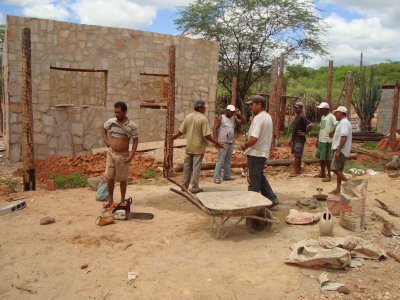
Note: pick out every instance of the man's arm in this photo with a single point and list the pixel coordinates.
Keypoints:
(105, 137)
(176, 135)
(212, 140)
(251, 142)
(217, 124)
(240, 119)
(135, 142)
(343, 140)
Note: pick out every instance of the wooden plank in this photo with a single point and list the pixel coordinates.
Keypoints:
(349, 91)
(270, 162)
(279, 100)
(395, 116)
(143, 147)
(27, 141)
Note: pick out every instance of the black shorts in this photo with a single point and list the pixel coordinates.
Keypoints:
(298, 149)
(338, 163)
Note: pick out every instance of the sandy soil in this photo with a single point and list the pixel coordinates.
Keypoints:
(175, 254)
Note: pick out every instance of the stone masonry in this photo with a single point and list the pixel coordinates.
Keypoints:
(385, 109)
(80, 71)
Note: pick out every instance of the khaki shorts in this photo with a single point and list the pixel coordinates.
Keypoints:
(116, 168)
(338, 163)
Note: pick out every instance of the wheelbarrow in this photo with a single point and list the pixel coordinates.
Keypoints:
(222, 206)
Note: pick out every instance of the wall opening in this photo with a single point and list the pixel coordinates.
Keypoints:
(154, 91)
(78, 87)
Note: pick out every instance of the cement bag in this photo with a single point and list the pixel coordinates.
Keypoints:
(352, 204)
(102, 191)
(309, 253)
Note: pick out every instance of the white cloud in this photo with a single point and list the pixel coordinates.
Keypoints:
(2, 19)
(387, 11)
(47, 9)
(347, 39)
(118, 13)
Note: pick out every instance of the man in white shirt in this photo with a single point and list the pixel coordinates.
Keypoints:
(341, 145)
(324, 146)
(257, 149)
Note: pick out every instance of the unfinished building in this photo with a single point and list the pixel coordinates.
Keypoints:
(385, 109)
(80, 71)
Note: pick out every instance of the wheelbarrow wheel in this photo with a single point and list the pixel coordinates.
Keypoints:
(255, 226)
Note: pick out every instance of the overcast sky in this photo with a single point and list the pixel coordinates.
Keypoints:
(369, 26)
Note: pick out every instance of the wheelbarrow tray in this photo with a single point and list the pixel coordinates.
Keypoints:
(234, 203)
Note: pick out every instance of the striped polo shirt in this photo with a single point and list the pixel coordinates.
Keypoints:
(126, 130)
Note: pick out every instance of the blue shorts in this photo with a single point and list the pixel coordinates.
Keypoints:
(298, 149)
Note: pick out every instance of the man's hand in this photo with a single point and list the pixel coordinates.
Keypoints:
(220, 146)
(316, 143)
(301, 133)
(107, 143)
(337, 154)
(243, 147)
(331, 134)
(238, 112)
(127, 159)
(290, 143)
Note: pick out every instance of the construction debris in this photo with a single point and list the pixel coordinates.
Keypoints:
(302, 217)
(47, 220)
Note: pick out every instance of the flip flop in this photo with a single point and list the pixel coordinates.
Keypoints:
(107, 204)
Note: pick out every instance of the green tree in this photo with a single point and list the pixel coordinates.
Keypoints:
(251, 33)
(367, 95)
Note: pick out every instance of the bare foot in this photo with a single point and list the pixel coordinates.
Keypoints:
(107, 204)
(335, 192)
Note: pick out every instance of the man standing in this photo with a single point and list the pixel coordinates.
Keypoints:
(324, 143)
(197, 130)
(257, 149)
(301, 126)
(224, 132)
(122, 130)
(341, 146)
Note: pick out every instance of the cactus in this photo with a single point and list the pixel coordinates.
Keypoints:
(367, 95)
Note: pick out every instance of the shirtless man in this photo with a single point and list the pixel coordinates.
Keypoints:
(122, 130)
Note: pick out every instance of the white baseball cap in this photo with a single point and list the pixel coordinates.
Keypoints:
(231, 107)
(342, 109)
(323, 105)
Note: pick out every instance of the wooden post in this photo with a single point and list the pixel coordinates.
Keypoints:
(234, 91)
(27, 144)
(329, 84)
(170, 122)
(282, 110)
(395, 116)
(273, 86)
(278, 100)
(349, 92)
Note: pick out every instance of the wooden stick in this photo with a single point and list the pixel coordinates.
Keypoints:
(279, 100)
(395, 116)
(329, 84)
(170, 120)
(349, 92)
(27, 143)
(234, 91)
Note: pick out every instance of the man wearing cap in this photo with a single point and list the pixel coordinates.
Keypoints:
(324, 143)
(257, 149)
(301, 126)
(197, 130)
(341, 146)
(224, 132)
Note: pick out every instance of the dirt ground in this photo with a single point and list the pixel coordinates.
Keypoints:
(175, 254)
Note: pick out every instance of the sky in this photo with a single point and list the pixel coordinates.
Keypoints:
(354, 26)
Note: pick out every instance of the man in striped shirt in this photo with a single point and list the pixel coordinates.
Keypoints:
(117, 133)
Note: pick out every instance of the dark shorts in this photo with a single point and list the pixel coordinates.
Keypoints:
(298, 149)
(338, 164)
(324, 151)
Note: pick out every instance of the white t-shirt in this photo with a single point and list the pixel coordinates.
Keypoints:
(261, 127)
(328, 123)
(343, 128)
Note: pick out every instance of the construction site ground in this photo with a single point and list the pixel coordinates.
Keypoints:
(175, 255)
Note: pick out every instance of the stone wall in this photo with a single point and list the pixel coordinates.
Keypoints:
(385, 112)
(71, 101)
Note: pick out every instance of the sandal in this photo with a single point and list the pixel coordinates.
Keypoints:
(107, 204)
